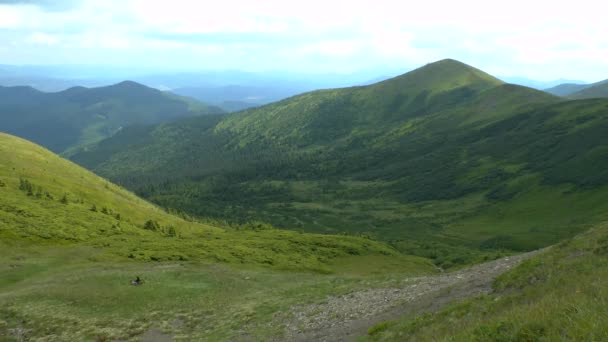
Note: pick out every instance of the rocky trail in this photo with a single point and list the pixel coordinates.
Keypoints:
(346, 317)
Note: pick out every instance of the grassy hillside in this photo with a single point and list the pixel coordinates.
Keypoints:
(71, 242)
(445, 162)
(50, 201)
(596, 91)
(557, 296)
(76, 117)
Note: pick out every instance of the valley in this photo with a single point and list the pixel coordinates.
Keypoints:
(442, 204)
(445, 162)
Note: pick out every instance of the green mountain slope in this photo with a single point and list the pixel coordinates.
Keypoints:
(47, 200)
(569, 89)
(445, 162)
(80, 116)
(556, 296)
(596, 91)
(71, 242)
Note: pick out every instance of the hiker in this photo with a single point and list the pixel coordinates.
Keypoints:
(137, 281)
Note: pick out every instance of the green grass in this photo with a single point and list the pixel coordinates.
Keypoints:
(59, 294)
(65, 268)
(556, 296)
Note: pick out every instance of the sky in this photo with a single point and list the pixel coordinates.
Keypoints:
(542, 40)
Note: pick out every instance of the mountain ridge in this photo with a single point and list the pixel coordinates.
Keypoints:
(598, 90)
(71, 119)
(569, 89)
(311, 162)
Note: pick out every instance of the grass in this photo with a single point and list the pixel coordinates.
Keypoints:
(64, 293)
(67, 260)
(556, 296)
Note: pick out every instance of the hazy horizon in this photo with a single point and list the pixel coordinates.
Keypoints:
(542, 41)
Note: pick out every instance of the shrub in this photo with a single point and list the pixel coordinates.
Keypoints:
(152, 225)
(171, 232)
(25, 185)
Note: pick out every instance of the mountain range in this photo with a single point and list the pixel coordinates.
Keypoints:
(442, 157)
(410, 180)
(74, 118)
(580, 91)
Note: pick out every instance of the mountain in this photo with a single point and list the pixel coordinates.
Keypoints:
(539, 84)
(570, 89)
(566, 89)
(596, 91)
(445, 161)
(80, 116)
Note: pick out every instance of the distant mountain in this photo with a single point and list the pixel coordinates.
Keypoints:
(569, 89)
(598, 90)
(231, 90)
(527, 82)
(438, 158)
(80, 116)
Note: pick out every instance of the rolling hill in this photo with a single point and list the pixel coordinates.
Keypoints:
(49, 200)
(596, 91)
(71, 242)
(71, 119)
(445, 162)
(570, 89)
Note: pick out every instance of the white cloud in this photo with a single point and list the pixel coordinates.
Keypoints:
(10, 17)
(544, 39)
(43, 38)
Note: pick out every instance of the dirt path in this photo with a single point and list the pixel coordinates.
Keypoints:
(347, 317)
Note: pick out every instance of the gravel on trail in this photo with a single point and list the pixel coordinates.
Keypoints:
(346, 317)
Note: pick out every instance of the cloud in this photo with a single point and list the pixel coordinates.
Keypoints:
(49, 5)
(43, 38)
(539, 39)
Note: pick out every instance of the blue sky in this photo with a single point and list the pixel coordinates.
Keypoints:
(543, 40)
